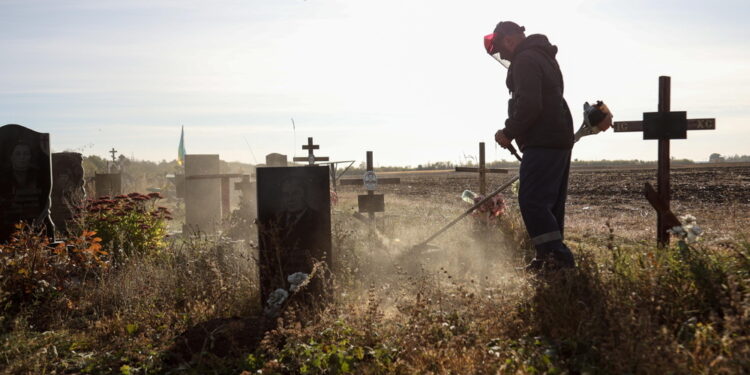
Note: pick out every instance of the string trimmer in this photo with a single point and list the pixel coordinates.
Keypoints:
(596, 118)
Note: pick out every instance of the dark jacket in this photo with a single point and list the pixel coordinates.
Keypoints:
(538, 115)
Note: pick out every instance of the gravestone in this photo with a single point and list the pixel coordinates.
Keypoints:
(225, 188)
(276, 160)
(68, 190)
(202, 196)
(179, 185)
(25, 180)
(108, 184)
(294, 223)
(243, 218)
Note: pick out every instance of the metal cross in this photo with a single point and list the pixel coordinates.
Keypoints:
(482, 170)
(371, 202)
(663, 126)
(311, 158)
(113, 152)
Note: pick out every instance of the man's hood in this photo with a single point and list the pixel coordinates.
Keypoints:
(538, 42)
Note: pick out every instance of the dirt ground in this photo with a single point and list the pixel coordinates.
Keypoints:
(718, 196)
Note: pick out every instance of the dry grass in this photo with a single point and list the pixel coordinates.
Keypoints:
(461, 309)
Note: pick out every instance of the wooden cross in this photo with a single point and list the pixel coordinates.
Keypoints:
(663, 126)
(311, 158)
(371, 202)
(482, 170)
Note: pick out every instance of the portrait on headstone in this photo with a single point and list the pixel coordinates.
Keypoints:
(26, 179)
(294, 222)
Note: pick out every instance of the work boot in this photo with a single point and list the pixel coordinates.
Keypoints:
(559, 259)
(535, 266)
(563, 258)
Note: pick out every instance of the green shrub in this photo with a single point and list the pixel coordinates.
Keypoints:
(128, 224)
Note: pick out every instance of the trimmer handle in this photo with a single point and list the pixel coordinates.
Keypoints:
(514, 152)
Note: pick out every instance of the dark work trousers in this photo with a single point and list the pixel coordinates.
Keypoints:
(541, 198)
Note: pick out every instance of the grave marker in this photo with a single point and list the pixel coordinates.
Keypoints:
(25, 180)
(371, 202)
(202, 195)
(481, 170)
(68, 190)
(108, 184)
(663, 126)
(247, 188)
(276, 160)
(114, 160)
(294, 223)
(311, 158)
(202, 177)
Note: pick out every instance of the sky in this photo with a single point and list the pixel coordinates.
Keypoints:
(406, 79)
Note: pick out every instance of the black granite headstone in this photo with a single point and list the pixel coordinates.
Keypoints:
(25, 180)
(68, 191)
(294, 222)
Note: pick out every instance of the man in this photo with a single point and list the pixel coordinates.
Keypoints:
(541, 124)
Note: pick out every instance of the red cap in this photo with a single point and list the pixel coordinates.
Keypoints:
(489, 43)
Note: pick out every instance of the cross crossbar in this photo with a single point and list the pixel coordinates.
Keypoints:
(381, 181)
(482, 170)
(637, 126)
(486, 170)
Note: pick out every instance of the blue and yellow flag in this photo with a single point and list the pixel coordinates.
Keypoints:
(181, 148)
